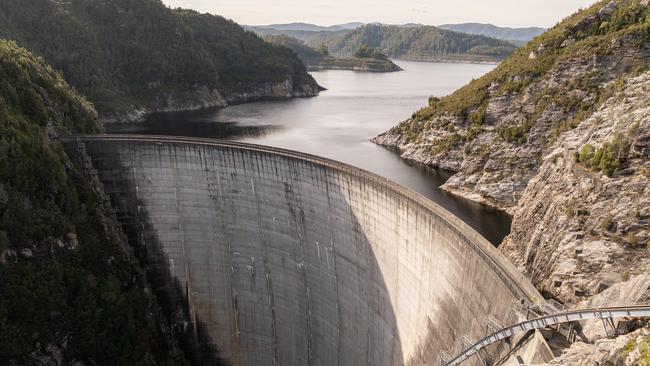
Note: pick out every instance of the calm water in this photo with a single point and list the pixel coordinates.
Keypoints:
(339, 123)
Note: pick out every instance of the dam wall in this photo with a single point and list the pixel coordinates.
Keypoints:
(272, 257)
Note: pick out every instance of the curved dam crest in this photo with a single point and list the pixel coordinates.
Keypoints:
(262, 256)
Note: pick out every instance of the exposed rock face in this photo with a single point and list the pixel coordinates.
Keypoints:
(607, 10)
(203, 97)
(559, 136)
(496, 157)
(634, 291)
(575, 230)
(626, 350)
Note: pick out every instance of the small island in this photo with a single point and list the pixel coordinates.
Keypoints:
(364, 59)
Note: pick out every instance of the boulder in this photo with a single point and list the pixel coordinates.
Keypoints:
(607, 10)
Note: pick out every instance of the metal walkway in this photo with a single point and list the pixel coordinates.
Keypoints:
(552, 319)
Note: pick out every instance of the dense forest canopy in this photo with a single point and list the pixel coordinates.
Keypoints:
(305, 52)
(121, 53)
(67, 292)
(367, 52)
(421, 43)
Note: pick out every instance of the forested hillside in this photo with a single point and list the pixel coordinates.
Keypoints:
(129, 55)
(421, 43)
(68, 294)
(305, 52)
(364, 59)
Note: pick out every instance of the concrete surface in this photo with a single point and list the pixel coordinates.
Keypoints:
(270, 257)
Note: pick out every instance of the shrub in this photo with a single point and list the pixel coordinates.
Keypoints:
(632, 240)
(568, 208)
(569, 212)
(367, 52)
(516, 134)
(644, 348)
(447, 143)
(645, 172)
(478, 117)
(608, 225)
(629, 347)
(607, 158)
(586, 153)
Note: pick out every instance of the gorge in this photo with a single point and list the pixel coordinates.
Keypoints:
(285, 258)
(176, 250)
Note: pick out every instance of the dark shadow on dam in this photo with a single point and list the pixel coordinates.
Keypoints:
(171, 295)
(262, 256)
(292, 297)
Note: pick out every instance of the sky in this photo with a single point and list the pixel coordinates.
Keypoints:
(510, 13)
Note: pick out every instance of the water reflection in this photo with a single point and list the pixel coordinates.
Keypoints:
(194, 124)
(338, 125)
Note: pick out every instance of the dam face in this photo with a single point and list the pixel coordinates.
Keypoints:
(269, 257)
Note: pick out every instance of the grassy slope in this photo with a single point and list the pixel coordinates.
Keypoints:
(64, 281)
(518, 71)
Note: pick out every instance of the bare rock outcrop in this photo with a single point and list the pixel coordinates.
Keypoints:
(577, 231)
(496, 166)
(627, 350)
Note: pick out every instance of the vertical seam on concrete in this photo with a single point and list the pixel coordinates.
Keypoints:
(265, 259)
(330, 217)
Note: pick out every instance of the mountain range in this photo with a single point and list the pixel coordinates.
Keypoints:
(518, 36)
(305, 31)
(420, 43)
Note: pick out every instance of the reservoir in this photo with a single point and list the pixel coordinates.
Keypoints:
(339, 123)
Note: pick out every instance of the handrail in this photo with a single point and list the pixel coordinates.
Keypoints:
(517, 283)
(637, 311)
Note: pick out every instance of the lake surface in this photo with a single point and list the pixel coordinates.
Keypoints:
(339, 123)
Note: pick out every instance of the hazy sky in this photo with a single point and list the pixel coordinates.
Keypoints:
(514, 13)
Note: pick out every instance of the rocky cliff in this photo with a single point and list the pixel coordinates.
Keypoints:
(204, 97)
(576, 230)
(557, 135)
(495, 131)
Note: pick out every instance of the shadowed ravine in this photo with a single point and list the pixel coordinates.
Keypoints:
(288, 259)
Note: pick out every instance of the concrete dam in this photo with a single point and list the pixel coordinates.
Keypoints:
(262, 256)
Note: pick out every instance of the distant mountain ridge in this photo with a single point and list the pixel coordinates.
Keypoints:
(421, 43)
(309, 27)
(518, 35)
(407, 41)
